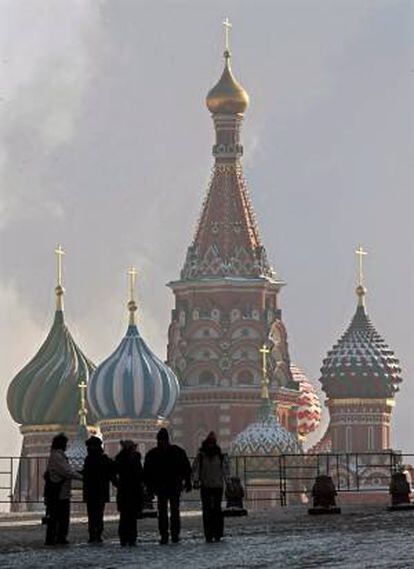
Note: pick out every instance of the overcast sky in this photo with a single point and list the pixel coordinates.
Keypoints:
(105, 146)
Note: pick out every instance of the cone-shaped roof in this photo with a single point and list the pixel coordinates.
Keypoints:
(227, 241)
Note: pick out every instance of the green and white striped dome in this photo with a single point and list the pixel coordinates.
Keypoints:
(46, 390)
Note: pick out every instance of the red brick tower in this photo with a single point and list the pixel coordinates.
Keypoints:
(360, 377)
(226, 304)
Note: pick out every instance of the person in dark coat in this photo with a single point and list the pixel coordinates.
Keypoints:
(167, 472)
(98, 472)
(129, 482)
(211, 472)
(58, 482)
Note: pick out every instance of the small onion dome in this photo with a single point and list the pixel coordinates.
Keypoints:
(133, 383)
(360, 364)
(45, 391)
(227, 97)
(309, 408)
(265, 437)
(77, 451)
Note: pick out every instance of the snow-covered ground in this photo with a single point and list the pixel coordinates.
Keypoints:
(362, 537)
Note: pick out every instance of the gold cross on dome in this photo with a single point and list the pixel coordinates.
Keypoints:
(59, 254)
(132, 273)
(82, 409)
(264, 350)
(361, 254)
(227, 27)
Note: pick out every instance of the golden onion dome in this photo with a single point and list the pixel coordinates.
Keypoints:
(227, 97)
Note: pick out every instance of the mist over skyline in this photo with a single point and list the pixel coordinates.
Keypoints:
(105, 147)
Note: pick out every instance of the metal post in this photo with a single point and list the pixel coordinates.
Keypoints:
(11, 479)
(357, 471)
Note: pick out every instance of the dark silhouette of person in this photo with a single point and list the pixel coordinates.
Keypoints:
(211, 472)
(58, 484)
(129, 483)
(167, 472)
(98, 471)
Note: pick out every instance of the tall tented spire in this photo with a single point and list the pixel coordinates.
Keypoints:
(227, 241)
(226, 299)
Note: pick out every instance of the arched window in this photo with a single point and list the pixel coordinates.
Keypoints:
(245, 377)
(206, 377)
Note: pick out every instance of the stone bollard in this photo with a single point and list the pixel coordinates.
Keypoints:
(323, 494)
(400, 491)
(234, 498)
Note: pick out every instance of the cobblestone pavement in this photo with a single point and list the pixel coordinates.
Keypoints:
(288, 538)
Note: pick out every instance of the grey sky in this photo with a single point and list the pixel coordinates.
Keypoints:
(105, 146)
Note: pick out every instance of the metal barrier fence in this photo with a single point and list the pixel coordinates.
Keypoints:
(278, 479)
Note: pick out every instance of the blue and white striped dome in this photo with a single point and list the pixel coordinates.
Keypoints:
(133, 383)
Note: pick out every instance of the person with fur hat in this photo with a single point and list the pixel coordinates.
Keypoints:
(167, 472)
(129, 482)
(211, 472)
(98, 471)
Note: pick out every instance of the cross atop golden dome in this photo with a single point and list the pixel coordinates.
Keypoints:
(227, 97)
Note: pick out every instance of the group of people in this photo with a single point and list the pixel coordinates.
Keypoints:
(166, 473)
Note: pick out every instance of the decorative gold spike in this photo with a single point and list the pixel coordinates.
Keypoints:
(264, 350)
(360, 289)
(132, 305)
(227, 27)
(82, 407)
(59, 287)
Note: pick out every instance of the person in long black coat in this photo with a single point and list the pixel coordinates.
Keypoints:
(167, 472)
(130, 479)
(98, 472)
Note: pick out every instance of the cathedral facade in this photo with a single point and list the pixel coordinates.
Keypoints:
(228, 366)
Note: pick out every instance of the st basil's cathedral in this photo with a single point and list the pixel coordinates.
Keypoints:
(228, 367)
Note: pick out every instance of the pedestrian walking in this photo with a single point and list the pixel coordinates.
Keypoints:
(211, 473)
(167, 472)
(129, 483)
(98, 472)
(58, 484)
